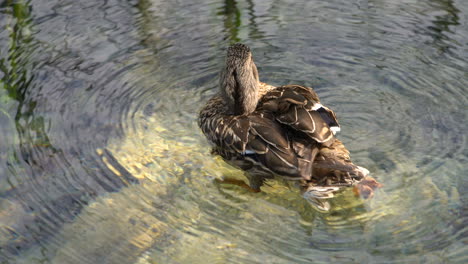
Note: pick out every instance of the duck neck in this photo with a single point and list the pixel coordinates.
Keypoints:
(246, 100)
(240, 90)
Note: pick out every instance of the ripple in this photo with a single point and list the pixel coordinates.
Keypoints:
(106, 161)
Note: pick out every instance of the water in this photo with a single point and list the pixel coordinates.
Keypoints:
(102, 160)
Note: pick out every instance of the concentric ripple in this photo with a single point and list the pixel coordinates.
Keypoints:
(103, 162)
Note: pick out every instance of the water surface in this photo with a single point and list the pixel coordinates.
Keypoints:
(101, 159)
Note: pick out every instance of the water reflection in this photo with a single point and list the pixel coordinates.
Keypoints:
(104, 161)
(443, 23)
(42, 190)
(15, 80)
(232, 19)
(255, 32)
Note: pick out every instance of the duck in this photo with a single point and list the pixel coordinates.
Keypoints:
(280, 132)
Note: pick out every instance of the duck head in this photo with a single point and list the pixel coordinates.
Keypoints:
(239, 81)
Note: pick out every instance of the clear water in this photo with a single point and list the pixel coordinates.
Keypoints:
(101, 160)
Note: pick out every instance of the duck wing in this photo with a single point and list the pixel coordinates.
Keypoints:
(257, 140)
(299, 108)
(252, 142)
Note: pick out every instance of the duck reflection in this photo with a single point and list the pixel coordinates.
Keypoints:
(347, 208)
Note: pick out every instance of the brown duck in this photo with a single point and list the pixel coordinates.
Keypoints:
(278, 131)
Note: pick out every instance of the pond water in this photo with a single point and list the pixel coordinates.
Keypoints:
(101, 159)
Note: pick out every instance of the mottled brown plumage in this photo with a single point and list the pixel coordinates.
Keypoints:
(283, 131)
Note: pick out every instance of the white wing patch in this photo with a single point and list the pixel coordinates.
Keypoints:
(317, 106)
(335, 129)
